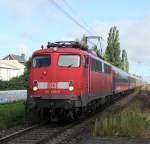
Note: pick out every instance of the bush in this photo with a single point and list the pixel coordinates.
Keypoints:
(130, 122)
(17, 83)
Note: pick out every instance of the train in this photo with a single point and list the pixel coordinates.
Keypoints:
(67, 80)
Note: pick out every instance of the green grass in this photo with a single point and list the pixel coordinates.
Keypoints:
(129, 122)
(11, 114)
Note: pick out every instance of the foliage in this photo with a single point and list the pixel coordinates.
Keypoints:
(16, 83)
(130, 122)
(94, 48)
(124, 61)
(11, 114)
(112, 53)
(84, 42)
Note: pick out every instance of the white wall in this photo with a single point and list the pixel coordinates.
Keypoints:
(10, 69)
(7, 73)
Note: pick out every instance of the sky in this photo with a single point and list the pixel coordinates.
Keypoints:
(27, 24)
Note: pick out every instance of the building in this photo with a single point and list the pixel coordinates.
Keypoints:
(10, 69)
(20, 59)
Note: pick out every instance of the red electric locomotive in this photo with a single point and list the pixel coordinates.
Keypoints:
(67, 80)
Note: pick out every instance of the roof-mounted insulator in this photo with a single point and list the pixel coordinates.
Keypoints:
(48, 44)
(42, 47)
(66, 44)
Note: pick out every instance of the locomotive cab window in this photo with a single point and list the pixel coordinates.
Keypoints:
(67, 60)
(41, 61)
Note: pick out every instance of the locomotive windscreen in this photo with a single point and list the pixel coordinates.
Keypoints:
(69, 60)
(41, 61)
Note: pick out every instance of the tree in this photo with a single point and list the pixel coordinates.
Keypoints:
(127, 66)
(94, 48)
(124, 61)
(26, 73)
(112, 53)
(84, 42)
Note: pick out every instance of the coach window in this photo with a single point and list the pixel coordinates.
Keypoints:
(41, 61)
(69, 60)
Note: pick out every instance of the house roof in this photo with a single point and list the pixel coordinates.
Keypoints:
(21, 58)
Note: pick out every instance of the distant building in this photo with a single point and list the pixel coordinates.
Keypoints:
(11, 68)
(20, 59)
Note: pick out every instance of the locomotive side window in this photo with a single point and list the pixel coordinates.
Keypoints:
(41, 61)
(96, 65)
(85, 61)
(99, 66)
(69, 60)
(107, 69)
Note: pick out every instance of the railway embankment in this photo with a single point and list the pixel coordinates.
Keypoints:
(12, 111)
(133, 121)
(11, 114)
(12, 117)
(131, 125)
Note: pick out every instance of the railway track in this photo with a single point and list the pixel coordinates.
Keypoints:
(37, 134)
(42, 134)
(17, 134)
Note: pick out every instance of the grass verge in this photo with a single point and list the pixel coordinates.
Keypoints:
(11, 114)
(130, 122)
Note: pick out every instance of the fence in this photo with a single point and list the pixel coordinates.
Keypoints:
(12, 95)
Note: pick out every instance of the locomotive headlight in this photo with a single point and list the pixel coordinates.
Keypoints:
(35, 88)
(71, 88)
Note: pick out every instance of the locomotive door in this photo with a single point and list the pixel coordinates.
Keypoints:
(86, 74)
(89, 76)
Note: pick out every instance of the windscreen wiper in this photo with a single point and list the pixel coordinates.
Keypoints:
(70, 65)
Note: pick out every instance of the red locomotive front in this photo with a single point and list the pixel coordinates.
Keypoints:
(58, 77)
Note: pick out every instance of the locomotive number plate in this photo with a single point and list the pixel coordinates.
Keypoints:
(52, 85)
